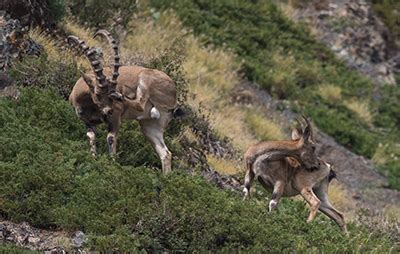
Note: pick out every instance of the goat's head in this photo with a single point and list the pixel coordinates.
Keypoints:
(102, 88)
(306, 143)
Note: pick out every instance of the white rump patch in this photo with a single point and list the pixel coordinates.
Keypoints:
(154, 113)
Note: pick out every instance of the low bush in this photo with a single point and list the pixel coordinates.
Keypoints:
(59, 74)
(49, 179)
(98, 13)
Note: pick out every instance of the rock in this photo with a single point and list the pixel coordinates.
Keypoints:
(78, 239)
(353, 31)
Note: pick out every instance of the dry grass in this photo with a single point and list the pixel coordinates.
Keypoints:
(381, 156)
(230, 121)
(330, 93)
(339, 197)
(49, 45)
(54, 51)
(361, 108)
(149, 37)
(83, 33)
(224, 166)
(392, 212)
(385, 153)
(263, 128)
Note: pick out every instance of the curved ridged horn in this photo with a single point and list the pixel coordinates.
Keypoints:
(92, 56)
(115, 64)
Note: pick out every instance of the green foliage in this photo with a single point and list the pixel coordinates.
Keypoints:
(49, 178)
(57, 8)
(10, 249)
(283, 58)
(388, 115)
(44, 72)
(98, 13)
(389, 10)
(352, 134)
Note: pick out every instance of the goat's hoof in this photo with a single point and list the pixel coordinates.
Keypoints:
(246, 194)
(272, 205)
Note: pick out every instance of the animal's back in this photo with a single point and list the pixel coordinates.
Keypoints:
(161, 86)
(255, 150)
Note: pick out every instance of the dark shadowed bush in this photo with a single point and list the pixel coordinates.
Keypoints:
(98, 13)
(42, 72)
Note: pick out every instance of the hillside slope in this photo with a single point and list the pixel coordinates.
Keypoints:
(283, 58)
(49, 179)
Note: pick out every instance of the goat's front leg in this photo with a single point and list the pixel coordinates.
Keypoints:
(113, 127)
(91, 133)
(312, 200)
(279, 187)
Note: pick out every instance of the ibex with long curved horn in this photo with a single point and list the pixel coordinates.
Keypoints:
(302, 149)
(130, 92)
(287, 177)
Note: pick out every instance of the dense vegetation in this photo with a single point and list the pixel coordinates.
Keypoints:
(284, 59)
(49, 179)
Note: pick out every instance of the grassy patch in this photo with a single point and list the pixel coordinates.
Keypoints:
(264, 129)
(11, 249)
(360, 108)
(330, 93)
(223, 165)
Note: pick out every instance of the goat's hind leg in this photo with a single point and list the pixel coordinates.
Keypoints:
(248, 181)
(329, 210)
(153, 129)
(313, 201)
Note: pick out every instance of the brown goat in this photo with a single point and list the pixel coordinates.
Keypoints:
(130, 92)
(302, 149)
(287, 177)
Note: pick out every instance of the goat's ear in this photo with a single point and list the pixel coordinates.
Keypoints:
(88, 80)
(307, 133)
(296, 134)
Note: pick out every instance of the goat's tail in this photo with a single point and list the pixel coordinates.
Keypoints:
(178, 112)
(332, 174)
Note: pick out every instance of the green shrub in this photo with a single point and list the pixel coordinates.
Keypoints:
(43, 72)
(10, 249)
(98, 13)
(57, 8)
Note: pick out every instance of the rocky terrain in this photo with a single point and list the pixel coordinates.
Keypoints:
(354, 32)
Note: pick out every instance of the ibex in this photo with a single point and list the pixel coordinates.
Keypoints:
(302, 149)
(129, 92)
(287, 177)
